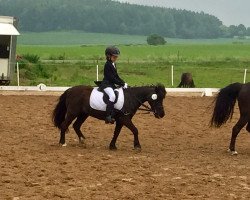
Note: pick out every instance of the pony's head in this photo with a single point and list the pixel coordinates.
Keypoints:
(155, 100)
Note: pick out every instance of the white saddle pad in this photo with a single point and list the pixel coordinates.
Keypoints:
(96, 100)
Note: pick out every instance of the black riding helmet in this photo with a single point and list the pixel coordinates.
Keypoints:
(112, 51)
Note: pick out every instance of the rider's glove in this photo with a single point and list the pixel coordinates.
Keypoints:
(125, 86)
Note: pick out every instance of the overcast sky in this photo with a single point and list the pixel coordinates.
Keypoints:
(230, 12)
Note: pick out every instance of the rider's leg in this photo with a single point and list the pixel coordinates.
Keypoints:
(110, 105)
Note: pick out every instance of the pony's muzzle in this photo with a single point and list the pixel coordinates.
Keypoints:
(159, 115)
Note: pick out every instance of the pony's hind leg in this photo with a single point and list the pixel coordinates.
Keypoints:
(235, 131)
(77, 127)
(64, 127)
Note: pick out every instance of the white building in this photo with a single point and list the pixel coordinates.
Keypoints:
(8, 38)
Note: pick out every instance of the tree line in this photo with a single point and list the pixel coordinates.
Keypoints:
(106, 16)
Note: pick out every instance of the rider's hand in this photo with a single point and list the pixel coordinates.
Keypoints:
(125, 86)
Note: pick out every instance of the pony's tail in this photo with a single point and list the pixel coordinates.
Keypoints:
(60, 111)
(224, 104)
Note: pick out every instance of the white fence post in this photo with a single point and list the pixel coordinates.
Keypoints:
(245, 76)
(17, 72)
(97, 72)
(172, 75)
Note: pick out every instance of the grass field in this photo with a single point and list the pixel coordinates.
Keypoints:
(82, 38)
(77, 38)
(205, 75)
(213, 63)
(146, 53)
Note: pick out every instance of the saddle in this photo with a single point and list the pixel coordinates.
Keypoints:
(105, 96)
(98, 99)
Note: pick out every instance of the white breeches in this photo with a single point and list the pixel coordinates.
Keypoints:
(110, 92)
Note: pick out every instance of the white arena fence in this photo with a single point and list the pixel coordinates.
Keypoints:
(43, 89)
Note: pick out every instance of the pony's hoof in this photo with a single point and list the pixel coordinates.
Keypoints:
(81, 141)
(82, 145)
(112, 148)
(63, 145)
(233, 153)
(137, 148)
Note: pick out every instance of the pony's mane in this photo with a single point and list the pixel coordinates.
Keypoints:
(159, 85)
(159, 89)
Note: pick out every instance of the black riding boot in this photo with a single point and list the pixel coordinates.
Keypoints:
(110, 112)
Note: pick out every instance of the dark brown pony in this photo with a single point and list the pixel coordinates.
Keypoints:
(186, 81)
(224, 107)
(74, 104)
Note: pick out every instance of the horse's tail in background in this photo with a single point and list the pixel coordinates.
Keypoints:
(60, 110)
(224, 104)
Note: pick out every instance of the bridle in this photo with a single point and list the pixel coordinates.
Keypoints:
(146, 108)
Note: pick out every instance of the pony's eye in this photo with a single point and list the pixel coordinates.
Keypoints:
(154, 96)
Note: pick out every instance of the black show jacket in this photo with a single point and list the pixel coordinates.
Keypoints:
(111, 77)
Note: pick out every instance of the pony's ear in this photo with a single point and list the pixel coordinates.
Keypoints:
(160, 90)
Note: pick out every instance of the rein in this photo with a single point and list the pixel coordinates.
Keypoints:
(146, 108)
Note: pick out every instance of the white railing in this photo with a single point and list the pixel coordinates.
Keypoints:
(202, 91)
(44, 88)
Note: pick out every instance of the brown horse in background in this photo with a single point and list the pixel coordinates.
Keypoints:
(74, 104)
(224, 108)
(186, 81)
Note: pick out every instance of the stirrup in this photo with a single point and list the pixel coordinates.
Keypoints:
(109, 120)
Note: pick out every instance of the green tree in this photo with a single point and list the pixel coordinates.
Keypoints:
(155, 40)
(107, 16)
(241, 30)
(225, 33)
(248, 31)
(233, 30)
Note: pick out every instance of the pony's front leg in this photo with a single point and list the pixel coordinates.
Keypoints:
(129, 124)
(117, 131)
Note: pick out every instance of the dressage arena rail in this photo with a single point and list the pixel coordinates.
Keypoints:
(43, 89)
